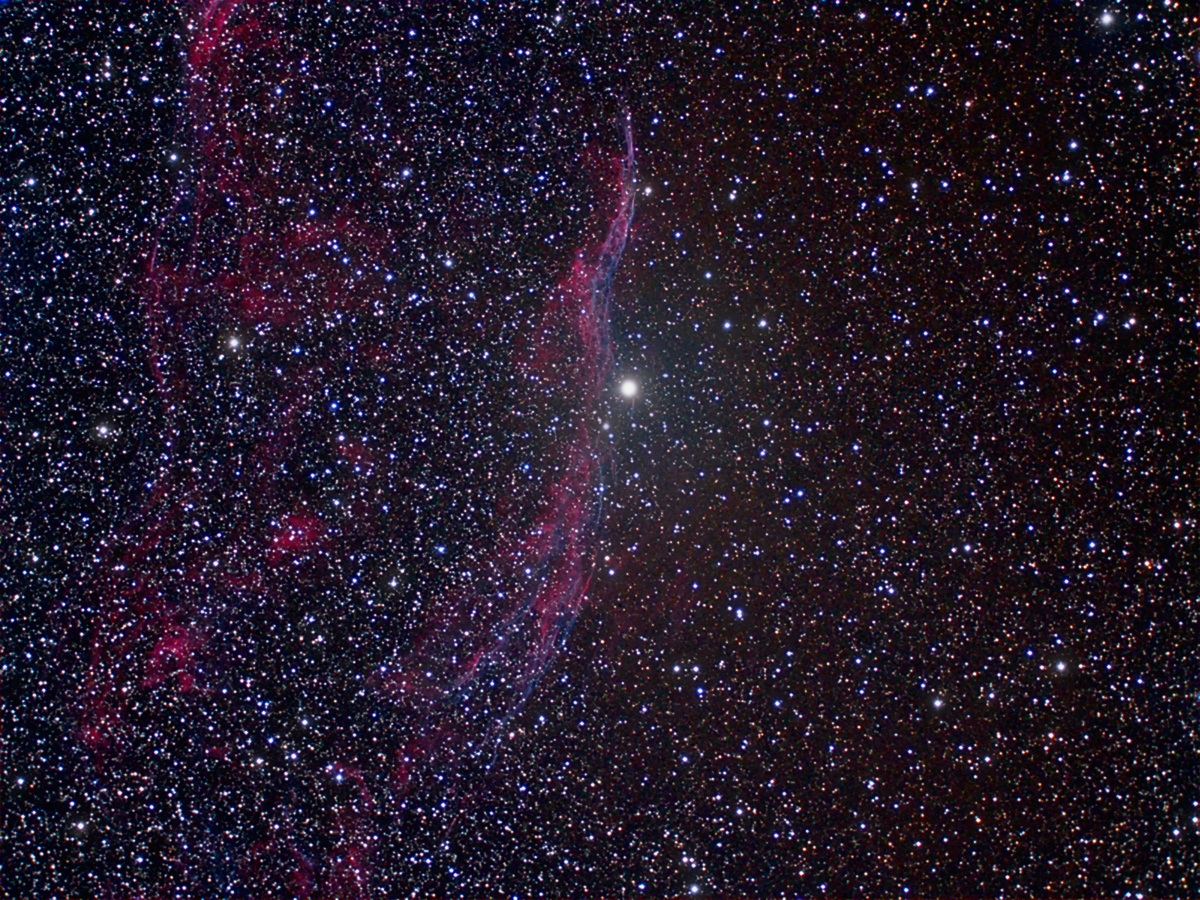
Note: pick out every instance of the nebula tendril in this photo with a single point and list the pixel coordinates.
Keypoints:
(341, 585)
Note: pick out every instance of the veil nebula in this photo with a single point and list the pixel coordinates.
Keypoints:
(374, 517)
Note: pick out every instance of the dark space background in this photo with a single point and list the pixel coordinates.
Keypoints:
(895, 588)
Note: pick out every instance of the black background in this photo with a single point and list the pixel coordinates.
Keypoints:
(896, 591)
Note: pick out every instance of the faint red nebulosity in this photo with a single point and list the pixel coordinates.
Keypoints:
(299, 533)
(172, 658)
(229, 533)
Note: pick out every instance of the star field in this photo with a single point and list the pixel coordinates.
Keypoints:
(612, 450)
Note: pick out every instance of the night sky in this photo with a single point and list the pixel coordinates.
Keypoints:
(479, 449)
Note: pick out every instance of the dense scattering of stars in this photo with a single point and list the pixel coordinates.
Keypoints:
(355, 547)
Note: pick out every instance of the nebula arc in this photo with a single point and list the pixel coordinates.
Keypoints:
(274, 618)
